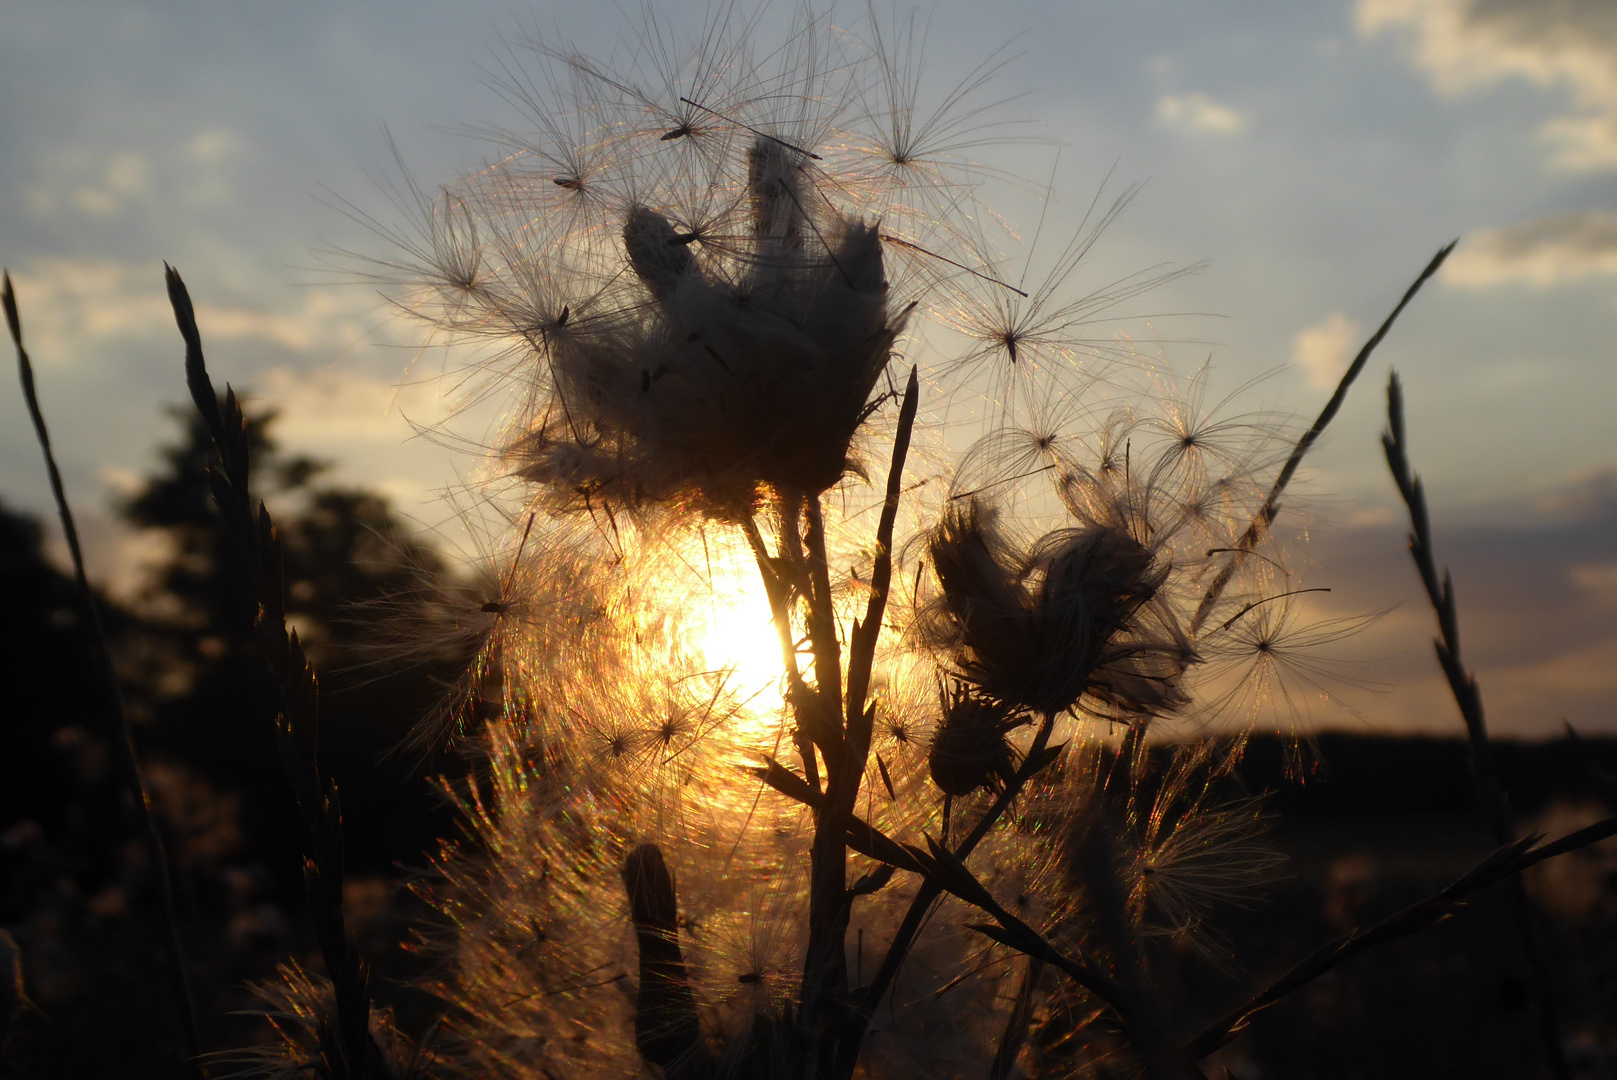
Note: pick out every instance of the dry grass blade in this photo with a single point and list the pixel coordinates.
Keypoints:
(348, 1049)
(1271, 505)
(1484, 776)
(179, 974)
(1506, 862)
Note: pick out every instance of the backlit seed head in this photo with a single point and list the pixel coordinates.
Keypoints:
(969, 750)
(1042, 630)
(739, 370)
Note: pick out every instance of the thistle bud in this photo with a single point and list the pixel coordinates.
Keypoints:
(969, 750)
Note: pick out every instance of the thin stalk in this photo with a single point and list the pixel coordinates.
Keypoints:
(825, 967)
(1484, 776)
(1014, 1036)
(129, 764)
(347, 1048)
(1507, 862)
(822, 614)
(779, 593)
(866, 634)
(825, 972)
(1259, 528)
(929, 891)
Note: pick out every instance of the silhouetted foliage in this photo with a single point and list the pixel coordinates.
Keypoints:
(75, 891)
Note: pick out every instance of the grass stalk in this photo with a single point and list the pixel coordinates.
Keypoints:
(1506, 863)
(1259, 528)
(347, 1048)
(128, 761)
(1491, 797)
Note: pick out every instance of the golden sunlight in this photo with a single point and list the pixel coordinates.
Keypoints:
(735, 633)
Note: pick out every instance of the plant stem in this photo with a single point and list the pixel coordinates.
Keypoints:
(1490, 793)
(779, 593)
(1259, 528)
(929, 890)
(348, 1050)
(1507, 862)
(129, 764)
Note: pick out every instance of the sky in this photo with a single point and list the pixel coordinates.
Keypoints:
(1312, 156)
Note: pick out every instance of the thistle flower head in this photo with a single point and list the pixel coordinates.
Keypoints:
(733, 370)
(1043, 628)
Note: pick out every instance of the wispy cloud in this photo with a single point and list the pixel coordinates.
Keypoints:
(101, 183)
(75, 306)
(1464, 45)
(1196, 112)
(1322, 351)
(334, 405)
(1542, 253)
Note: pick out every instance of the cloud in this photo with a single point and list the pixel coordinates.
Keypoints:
(1199, 113)
(96, 181)
(332, 405)
(72, 308)
(126, 180)
(1465, 45)
(1323, 351)
(1535, 593)
(1542, 253)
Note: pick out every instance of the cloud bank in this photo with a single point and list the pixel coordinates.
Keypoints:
(1196, 112)
(1537, 601)
(1542, 253)
(1569, 45)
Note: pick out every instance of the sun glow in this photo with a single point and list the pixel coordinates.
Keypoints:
(736, 634)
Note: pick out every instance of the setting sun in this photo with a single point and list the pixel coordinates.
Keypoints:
(734, 632)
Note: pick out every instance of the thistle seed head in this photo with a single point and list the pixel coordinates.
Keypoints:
(969, 749)
(739, 371)
(1041, 631)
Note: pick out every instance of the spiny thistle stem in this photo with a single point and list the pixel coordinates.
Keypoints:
(1491, 796)
(830, 902)
(1259, 528)
(129, 763)
(930, 890)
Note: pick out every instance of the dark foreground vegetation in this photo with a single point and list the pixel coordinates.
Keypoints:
(1374, 824)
